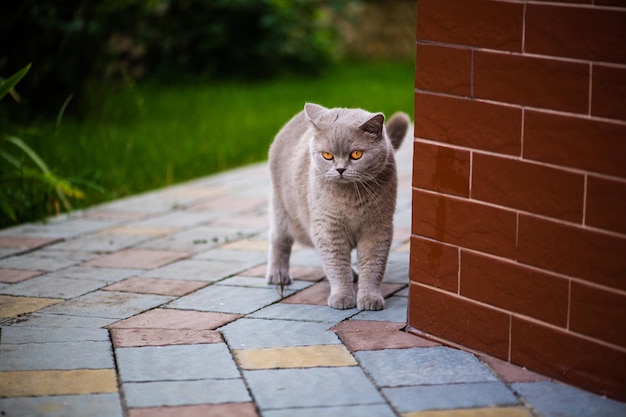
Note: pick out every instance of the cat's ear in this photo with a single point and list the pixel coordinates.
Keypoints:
(313, 111)
(374, 125)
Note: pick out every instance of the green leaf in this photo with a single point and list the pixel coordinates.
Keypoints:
(9, 83)
(30, 152)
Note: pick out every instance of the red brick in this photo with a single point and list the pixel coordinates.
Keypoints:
(568, 357)
(515, 288)
(434, 264)
(468, 123)
(606, 204)
(608, 92)
(528, 187)
(443, 69)
(464, 223)
(598, 313)
(575, 142)
(459, 320)
(529, 81)
(488, 24)
(584, 33)
(573, 251)
(440, 168)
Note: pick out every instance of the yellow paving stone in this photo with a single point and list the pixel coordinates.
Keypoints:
(140, 231)
(14, 306)
(294, 357)
(404, 248)
(474, 412)
(70, 382)
(247, 244)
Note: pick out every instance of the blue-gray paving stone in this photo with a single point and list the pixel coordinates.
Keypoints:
(101, 243)
(247, 259)
(311, 387)
(226, 299)
(175, 393)
(553, 399)
(31, 262)
(107, 275)
(196, 270)
(198, 239)
(92, 405)
(397, 270)
(177, 362)
(402, 293)
(423, 366)
(61, 321)
(68, 355)
(304, 312)
(53, 287)
(305, 257)
(258, 282)
(395, 310)
(58, 228)
(248, 333)
(375, 410)
(450, 396)
(177, 219)
(14, 335)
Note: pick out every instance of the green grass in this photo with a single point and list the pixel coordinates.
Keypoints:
(152, 135)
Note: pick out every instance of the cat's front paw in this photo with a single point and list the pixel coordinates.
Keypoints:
(341, 301)
(371, 302)
(278, 278)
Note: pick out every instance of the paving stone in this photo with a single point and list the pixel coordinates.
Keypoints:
(37, 262)
(397, 270)
(100, 243)
(420, 366)
(161, 318)
(246, 259)
(108, 304)
(98, 213)
(395, 310)
(176, 393)
(376, 335)
(16, 275)
(138, 259)
(231, 204)
(14, 335)
(156, 286)
(51, 382)
(305, 257)
(553, 399)
(378, 410)
(304, 312)
(96, 405)
(450, 396)
(227, 299)
(259, 333)
(107, 275)
(24, 242)
(294, 357)
(402, 293)
(204, 410)
(252, 245)
(53, 287)
(59, 227)
(14, 306)
(475, 412)
(60, 321)
(318, 294)
(176, 220)
(311, 387)
(163, 337)
(66, 355)
(302, 273)
(249, 221)
(179, 362)
(258, 282)
(198, 239)
(196, 270)
(510, 373)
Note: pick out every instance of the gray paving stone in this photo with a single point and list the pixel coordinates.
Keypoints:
(60, 227)
(180, 362)
(177, 219)
(173, 393)
(304, 312)
(258, 282)
(402, 293)
(311, 387)
(450, 396)
(92, 405)
(101, 243)
(227, 299)
(53, 287)
(250, 333)
(14, 335)
(553, 399)
(108, 304)
(397, 270)
(198, 239)
(423, 366)
(107, 275)
(305, 257)
(395, 310)
(196, 270)
(374, 410)
(34, 262)
(247, 259)
(61, 321)
(68, 355)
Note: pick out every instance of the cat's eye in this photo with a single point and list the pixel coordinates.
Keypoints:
(356, 154)
(327, 155)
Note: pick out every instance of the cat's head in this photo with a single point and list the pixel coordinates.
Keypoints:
(348, 145)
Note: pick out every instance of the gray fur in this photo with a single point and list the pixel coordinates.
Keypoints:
(317, 204)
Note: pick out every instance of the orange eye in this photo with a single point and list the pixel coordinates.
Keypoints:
(327, 155)
(356, 154)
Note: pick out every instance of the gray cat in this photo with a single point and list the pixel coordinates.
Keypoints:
(334, 187)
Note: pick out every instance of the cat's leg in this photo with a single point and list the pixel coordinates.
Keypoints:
(373, 251)
(335, 256)
(281, 242)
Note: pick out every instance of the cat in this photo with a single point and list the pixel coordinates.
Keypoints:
(334, 186)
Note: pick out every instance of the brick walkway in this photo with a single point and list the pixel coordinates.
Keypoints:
(155, 306)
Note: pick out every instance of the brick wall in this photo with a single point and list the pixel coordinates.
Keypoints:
(519, 184)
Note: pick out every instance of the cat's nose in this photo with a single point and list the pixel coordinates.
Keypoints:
(341, 170)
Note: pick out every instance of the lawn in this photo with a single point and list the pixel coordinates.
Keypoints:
(151, 135)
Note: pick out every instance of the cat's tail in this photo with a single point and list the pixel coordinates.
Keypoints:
(396, 128)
